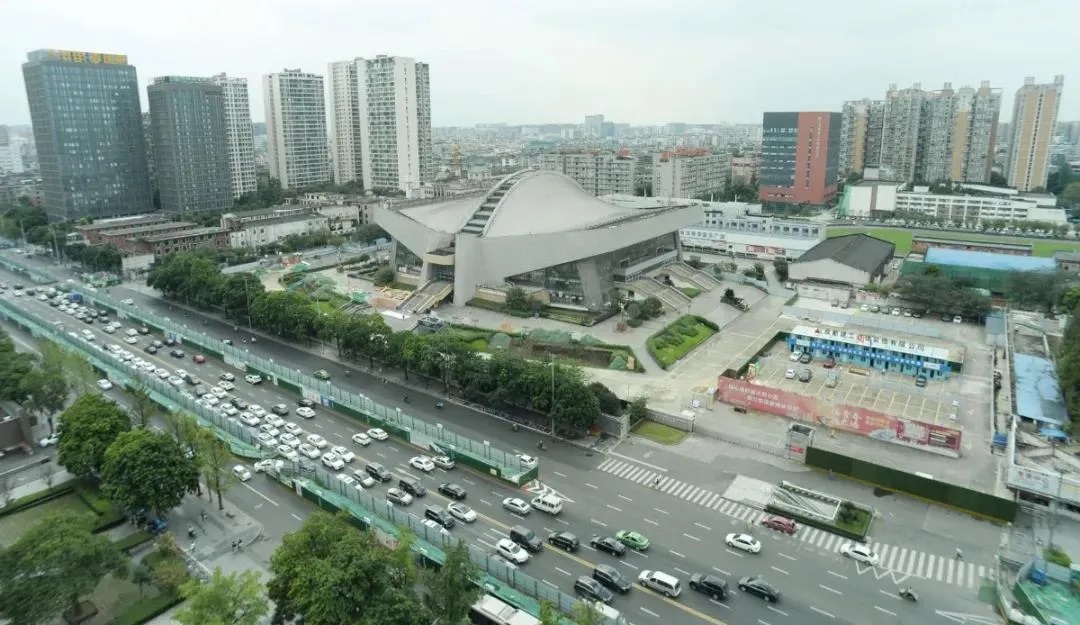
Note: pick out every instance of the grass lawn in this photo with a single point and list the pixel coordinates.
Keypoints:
(14, 525)
(663, 434)
(860, 522)
(677, 339)
(690, 291)
(902, 239)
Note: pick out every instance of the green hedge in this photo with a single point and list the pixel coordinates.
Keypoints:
(146, 609)
(38, 498)
(982, 504)
(109, 515)
(822, 525)
(132, 541)
(675, 340)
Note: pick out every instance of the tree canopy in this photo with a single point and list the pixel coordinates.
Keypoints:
(454, 588)
(501, 381)
(328, 573)
(940, 294)
(87, 428)
(148, 469)
(51, 566)
(234, 599)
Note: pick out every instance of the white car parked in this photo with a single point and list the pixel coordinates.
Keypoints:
(275, 420)
(343, 453)
(104, 384)
(249, 419)
(361, 439)
(305, 412)
(228, 386)
(317, 441)
(517, 506)
(269, 429)
(288, 453)
(252, 378)
(266, 439)
(292, 428)
(241, 473)
(461, 512)
(289, 439)
(511, 551)
(310, 451)
(333, 462)
(257, 410)
(377, 434)
(220, 393)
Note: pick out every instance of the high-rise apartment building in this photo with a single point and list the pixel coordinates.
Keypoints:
(238, 135)
(381, 122)
(594, 126)
(88, 131)
(690, 173)
(800, 158)
(11, 161)
(599, 173)
(1034, 119)
(860, 135)
(296, 128)
(933, 136)
(191, 155)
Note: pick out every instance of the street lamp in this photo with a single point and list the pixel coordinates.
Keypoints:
(552, 408)
(1054, 507)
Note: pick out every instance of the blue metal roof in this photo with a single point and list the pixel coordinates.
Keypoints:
(1038, 396)
(988, 260)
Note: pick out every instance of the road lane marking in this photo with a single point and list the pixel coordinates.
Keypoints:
(881, 609)
(735, 553)
(598, 523)
(650, 612)
(888, 594)
(593, 486)
(722, 605)
(624, 457)
(485, 543)
(339, 435)
(566, 573)
(497, 495)
(468, 481)
(298, 518)
(614, 508)
(832, 590)
(393, 448)
(563, 522)
(676, 553)
(721, 571)
(662, 511)
(761, 622)
(784, 555)
(563, 475)
(380, 454)
(777, 610)
(822, 612)
(835, 574)
(678, 570)
(694, 538)
(650, 521)
(486, 503)
(252, 489)
(625, 563)
(625, 498)
(779, 570)
(704, 527)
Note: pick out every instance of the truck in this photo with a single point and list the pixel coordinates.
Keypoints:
(75, 297)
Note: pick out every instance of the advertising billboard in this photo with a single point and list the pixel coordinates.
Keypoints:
(854, 419)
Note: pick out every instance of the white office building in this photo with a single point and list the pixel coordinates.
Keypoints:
(238, 133)
(296, 146)
(737, 229)
(883, 200)
(380, 121)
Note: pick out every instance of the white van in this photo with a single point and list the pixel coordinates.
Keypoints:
(661, 582)
(548, 503)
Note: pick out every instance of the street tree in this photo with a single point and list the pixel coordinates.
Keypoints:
(46, 385)
(52, 566)
(585, 613)
(234, 599)
(548, 614)
(80, 374)
(143, 406)
(454, 587)
(384, 276)
(608, 401)
(215, 462)
(329, 573)
(88, 427)
(1071, 194)
(14, 366)
(148, 469)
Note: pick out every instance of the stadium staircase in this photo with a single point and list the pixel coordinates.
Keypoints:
(426, 297)
(479, 220)
(672, 298)
(698, 278)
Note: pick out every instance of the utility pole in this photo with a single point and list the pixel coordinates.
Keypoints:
(1054, 508)
(552, 394)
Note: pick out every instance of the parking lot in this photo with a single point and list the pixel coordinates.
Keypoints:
(889, 393)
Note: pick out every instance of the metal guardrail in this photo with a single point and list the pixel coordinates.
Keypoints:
(510, 464)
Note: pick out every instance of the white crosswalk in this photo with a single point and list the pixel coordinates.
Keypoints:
(902, 561)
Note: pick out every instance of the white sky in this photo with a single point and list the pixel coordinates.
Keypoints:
(518, 61)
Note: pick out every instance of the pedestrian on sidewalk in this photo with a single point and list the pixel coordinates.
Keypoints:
(233, 545)
(202, 515)
(959, 554)
(239, 544)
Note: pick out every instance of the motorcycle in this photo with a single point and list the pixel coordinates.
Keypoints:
(405, 399)
(439, 405)
(907, 593)
(540, 445)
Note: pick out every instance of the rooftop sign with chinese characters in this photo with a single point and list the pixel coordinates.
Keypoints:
(907, 347)
(90, 58)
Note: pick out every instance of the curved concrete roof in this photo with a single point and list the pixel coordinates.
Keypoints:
(546, 201)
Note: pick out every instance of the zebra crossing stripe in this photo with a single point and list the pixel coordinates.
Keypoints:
(690, 494)
(711, 499)
(919, 565)
(928, 572)
(949, 573)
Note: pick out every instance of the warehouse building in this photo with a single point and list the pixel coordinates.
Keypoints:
(853, 259)
(982, 270)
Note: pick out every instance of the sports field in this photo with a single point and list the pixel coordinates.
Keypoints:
(902, 239)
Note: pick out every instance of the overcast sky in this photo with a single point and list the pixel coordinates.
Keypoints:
(530, 61)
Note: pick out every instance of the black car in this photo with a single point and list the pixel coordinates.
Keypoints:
(378, 472)
(280, 409)
(305, 402)
(239, 403)
(608, 544)
(526, 538)
(453, 491)
(177, 353)
(612, 578)
(440, 516)
(759, 587)
(593, 590)
(564, 540)
(710, 585)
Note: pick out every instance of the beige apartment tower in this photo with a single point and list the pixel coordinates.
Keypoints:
(1035, 112)
(296, 145)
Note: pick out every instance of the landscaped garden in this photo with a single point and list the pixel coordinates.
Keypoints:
(539, 344)
(677, 339)
(660, 433)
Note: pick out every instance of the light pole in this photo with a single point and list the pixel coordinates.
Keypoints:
(1054, 508)
(552, 410)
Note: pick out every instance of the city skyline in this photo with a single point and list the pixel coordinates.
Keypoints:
(560, 62)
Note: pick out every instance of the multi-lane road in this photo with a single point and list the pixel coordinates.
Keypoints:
(686, 524)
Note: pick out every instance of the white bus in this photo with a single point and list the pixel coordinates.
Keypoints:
(490, 610)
